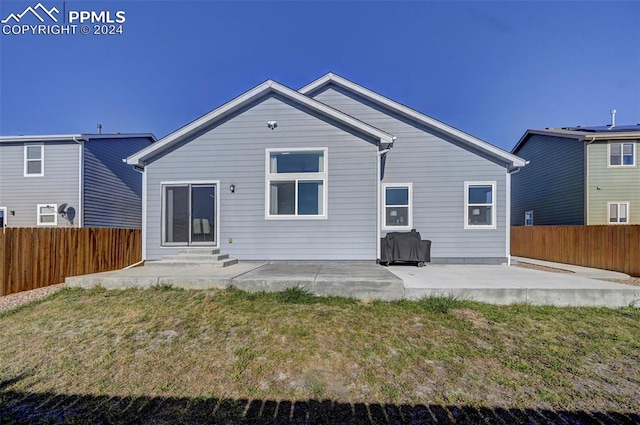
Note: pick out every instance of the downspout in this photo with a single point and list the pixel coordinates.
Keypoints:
(510, 171)
(142, 170)
(80, 143)
(586, 179)
(379, 189)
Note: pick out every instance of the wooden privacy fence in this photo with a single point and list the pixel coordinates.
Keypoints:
(615, 247)
(37, 257)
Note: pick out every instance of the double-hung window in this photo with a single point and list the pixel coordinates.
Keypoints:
(33, 160)
(618, 212)
(397, 206)
(622, 154)
(480, 205)
(296, 183)
(528, 218)
(47, 214)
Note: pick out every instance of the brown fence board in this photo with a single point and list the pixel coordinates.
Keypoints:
(33, 258)
(603, 247)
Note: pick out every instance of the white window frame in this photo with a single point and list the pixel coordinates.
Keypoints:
(272, 177)
(4, 215)
(494, 212)
(163, 209)
(54, 207)
(41, 159)
(621, 165)
(618, 203)
(409, 225)
(530, 212)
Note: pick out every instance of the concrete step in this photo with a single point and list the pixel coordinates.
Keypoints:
(199, 251)
(192, 263)
(196, 257)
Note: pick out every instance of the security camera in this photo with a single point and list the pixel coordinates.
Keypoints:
(272, 124)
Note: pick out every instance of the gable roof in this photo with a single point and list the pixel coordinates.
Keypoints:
(582, 134)
(232, 106)
(73, 137)
(405, 111)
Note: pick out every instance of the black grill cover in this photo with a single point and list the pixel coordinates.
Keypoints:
(404, 246)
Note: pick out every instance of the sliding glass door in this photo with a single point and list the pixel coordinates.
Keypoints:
(189, 214)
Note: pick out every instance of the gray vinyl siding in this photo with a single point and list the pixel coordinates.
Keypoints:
(233, 152)
(112, 194)
(552, 184)
(438, 170)
(612, 184)
(58, 185)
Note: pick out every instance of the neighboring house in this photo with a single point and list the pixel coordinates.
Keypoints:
(322, 174)
(75, 180)
(577, 175)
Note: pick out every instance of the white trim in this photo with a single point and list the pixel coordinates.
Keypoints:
(622, 165)
(618, 203)
(25, 160)
(4, 216)
(80, 182)
(409, 224)
(411, 113)
(296, 177)
(494, 212)
(144, 214)
(507, 217)
(378, 203)
(587, 189)
(53, 207)
(244, 99)
(215, 183)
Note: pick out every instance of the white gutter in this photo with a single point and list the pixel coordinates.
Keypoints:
(80, 143)
(144, 214)
(586, 179)
(508, 216)
(378, 206)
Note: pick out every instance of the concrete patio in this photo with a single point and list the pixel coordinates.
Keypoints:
(366, 281)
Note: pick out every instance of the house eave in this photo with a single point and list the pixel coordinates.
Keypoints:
(72, 137)
(230, 107)
(576, 135)
(493, 151)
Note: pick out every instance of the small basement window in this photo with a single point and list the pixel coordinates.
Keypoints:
(47, 214)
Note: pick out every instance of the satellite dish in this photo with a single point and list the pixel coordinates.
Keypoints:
(61, 209)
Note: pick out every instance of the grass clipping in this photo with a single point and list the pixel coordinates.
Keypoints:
(295, 346)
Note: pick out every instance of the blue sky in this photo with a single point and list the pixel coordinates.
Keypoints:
(492, 69)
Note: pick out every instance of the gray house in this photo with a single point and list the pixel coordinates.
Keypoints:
(74, 180)
(578, 176)
(323, 173)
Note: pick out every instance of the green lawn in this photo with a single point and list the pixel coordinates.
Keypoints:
(292, 346)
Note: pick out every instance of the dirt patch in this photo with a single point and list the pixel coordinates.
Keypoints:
(634, 281)
(476, 318)
(542, 268)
